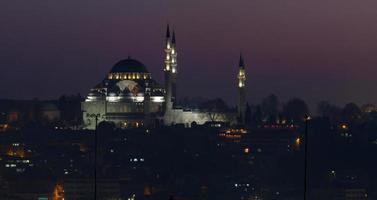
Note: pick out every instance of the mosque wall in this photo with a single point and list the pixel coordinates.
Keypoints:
(92, 108)
(180, 116)
(102, 107)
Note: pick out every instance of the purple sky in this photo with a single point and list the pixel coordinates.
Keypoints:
(315, 50)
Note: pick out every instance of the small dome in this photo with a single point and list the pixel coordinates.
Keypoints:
(129, 65)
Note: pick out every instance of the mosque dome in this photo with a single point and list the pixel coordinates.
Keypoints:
(129, 65)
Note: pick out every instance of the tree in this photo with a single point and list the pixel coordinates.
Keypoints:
(257, 115)
(248, 114)
(270, 108)
(70, 108)
(351, 112)
(325, 109)
(295, 110)
(214, 108)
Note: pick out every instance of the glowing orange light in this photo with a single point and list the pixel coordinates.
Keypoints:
(298, 141)
(58, 193)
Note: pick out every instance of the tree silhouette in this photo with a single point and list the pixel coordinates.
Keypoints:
(325, 109)
(248, 114)
(214, 108)
(296, 110)
(257, 115)
(351, 112)
(270, 108)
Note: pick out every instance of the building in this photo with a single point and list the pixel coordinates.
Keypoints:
(129, 97)
(124, 94)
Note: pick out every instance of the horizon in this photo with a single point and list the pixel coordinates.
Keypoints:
(288, 49)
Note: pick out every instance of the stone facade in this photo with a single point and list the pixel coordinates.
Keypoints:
(187, 117)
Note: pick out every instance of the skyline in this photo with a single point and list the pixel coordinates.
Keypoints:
(289, 49)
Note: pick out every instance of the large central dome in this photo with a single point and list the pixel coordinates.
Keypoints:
(129, 65)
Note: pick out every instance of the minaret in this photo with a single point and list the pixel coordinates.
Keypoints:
(241, 91)
(167, 70)
(174, 68)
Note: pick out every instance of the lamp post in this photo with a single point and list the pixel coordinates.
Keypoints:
(95, 116)
(307, 118)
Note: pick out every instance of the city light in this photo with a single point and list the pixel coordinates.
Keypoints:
(298, 142)
(58, 193)
(344, 126)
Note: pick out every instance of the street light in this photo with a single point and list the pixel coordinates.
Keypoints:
(307, 118)
(95, 116)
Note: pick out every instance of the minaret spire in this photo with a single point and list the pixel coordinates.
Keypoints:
(169, 47)
(241, 91)
(241, 63)
(174, 68)
(168, 32)
(173, 39)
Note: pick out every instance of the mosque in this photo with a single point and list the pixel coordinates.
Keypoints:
(129, 97)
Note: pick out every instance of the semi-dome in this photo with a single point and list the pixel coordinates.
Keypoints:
(129, 65)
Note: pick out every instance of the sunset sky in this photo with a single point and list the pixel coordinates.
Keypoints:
(312, 49)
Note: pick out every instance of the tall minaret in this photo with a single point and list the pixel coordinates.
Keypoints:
(167, 70)
(241, 91)
(174, 68)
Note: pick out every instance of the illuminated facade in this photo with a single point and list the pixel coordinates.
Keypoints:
(127, 96)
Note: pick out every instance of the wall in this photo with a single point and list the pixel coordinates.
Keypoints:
(179, 116)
